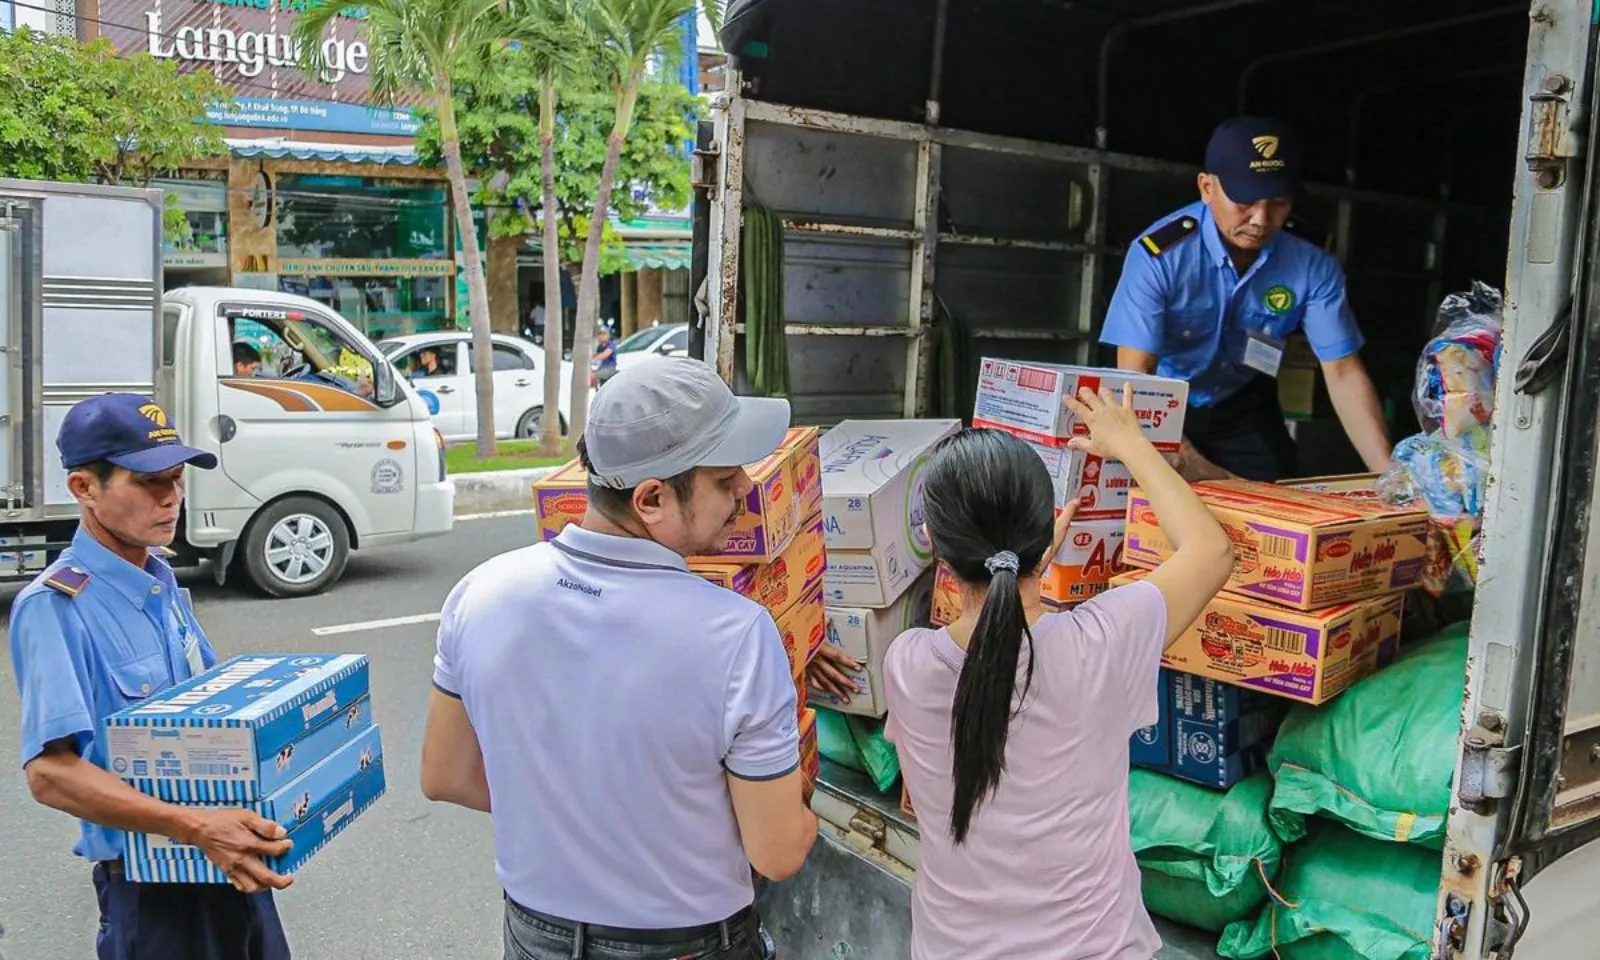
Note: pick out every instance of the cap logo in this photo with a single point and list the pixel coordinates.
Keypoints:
(162, 433)
(1266, 146)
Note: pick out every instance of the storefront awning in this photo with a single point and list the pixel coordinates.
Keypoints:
(328, 154)
(660, 256)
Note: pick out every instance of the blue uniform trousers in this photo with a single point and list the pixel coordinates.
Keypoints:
(184, 921)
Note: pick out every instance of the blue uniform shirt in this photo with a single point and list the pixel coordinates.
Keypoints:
(79, 659)
(1189, 306)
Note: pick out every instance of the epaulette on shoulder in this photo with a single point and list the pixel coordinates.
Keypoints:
(1168, 235)
(68, 580)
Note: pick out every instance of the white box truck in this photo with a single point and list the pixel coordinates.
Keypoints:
(323, 449)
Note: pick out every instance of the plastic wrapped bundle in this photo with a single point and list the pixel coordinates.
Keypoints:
(1456, 372)
(1447, 477)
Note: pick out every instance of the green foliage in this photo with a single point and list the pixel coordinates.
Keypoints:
(498, 121)
(78, 112)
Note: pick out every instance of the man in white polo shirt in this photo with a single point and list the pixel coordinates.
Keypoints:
(635, 724)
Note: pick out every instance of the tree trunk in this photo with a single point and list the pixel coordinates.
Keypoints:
(589, 288)
(550, 429)
(477, 285)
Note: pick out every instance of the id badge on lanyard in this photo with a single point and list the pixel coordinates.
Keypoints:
(1262, 353)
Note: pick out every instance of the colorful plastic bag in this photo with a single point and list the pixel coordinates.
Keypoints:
(1456, 371)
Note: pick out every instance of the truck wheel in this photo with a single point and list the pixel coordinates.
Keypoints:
(296, 547)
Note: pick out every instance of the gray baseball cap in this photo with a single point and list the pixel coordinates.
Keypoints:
(667, 415)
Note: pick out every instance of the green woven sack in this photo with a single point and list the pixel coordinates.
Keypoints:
(1205, 857)
(858, 743)
(1344, 897)
(1374, 759)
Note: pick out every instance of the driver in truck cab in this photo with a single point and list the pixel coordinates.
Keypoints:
(246, 360)
(1211, 293)
(102, 628)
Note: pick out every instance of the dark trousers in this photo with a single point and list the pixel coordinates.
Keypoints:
(1245, 434)
(530, 935)
(184, 921)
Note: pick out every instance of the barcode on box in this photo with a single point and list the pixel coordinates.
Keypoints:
(1276, 547)
(210, 769)
(1286, 641)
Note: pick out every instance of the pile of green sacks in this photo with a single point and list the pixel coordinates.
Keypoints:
(858, 743)
(1334, 852)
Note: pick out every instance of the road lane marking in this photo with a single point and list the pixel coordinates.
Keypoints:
(374, 624)
(495, 515)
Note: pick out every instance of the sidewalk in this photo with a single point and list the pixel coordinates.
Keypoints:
(497, 491)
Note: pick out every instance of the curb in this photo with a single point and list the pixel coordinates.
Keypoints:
(496, 490)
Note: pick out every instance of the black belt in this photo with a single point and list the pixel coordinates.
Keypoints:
(582, 932)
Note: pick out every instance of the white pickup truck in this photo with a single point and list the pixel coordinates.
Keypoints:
(322, 449)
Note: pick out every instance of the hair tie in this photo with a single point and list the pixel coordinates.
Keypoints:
(1004, 560)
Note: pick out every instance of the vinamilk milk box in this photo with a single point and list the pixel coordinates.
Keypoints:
(242, 729)
(314, 809)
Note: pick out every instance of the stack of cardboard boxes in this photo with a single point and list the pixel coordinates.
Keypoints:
(1314, 603)
(877, 584)
(288, 736)
(776, 555)
(1027, 401)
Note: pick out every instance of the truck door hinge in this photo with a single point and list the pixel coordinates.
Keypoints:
(1488, 769)
(1551, 140)
(707, 172)
(867, 830)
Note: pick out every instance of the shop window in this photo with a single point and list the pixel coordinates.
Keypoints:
(379, 306)
(360, 218)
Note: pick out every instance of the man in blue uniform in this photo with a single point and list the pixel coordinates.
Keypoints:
(1210, 295)
(104, 627)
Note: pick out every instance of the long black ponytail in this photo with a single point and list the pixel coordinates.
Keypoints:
(989, 507)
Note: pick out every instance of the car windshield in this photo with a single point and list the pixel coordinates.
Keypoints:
(642, 340)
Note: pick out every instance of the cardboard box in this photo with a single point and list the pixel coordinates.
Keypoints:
(1357, 486)
(803, 628)
(1296, 547)
(1309, 657)
(288, 805)
(865, 634)
(222, 735)
(804, 447)
(1220, 733)
(1026, 399)
(1099, 486)
(560, 498)
(309, 836)
(777, 585)
(905, 801)
(1210, 733)
(785, 492)
(1152, 746)
(946, 605)
(810, 750)
(872, 507)
(1298, 380)
(1084, 565)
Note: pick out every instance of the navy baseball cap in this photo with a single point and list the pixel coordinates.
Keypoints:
(1256, 158)
(130, 431)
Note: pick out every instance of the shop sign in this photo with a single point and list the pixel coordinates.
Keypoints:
(249, 45)
(366, 268)
(191, 258)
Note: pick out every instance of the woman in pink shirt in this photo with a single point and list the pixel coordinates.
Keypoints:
(1012, 723)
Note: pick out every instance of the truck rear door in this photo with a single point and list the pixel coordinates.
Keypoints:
(1519, 862)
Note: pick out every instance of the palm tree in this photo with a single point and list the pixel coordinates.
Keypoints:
(561, 17)
(424, 45)
(631, 32)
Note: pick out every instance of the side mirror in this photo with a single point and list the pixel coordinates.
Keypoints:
(384, 389)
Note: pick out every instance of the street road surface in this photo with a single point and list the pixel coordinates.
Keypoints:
(410, 879)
